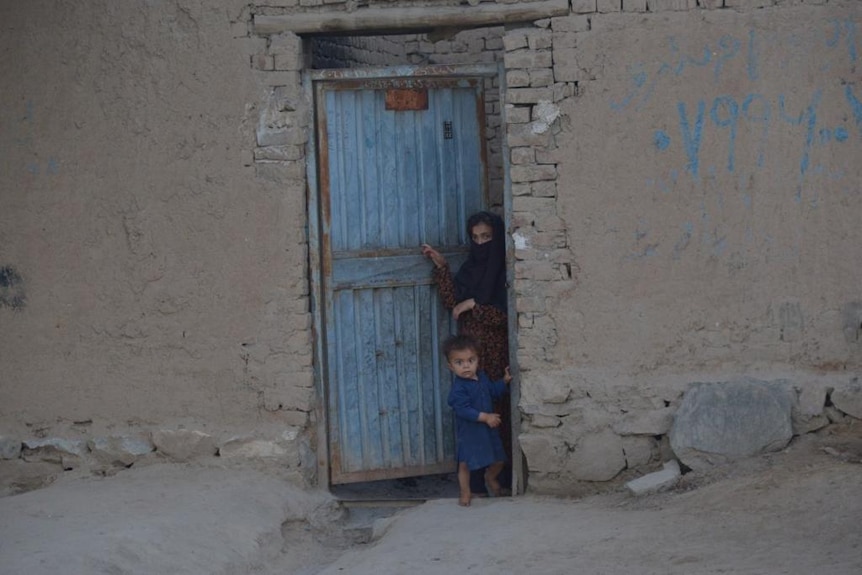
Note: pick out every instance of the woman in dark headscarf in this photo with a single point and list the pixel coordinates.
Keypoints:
(477, 293)
(477, 297)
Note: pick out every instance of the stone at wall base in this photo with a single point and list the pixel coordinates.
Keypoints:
(657, 481)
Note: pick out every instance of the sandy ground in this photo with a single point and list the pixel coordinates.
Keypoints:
(794, 512)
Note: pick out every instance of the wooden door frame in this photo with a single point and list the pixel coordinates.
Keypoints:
(314, 225)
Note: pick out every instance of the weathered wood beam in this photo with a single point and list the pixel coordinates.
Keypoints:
(367, 20)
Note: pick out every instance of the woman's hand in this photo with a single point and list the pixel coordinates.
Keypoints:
(507, 377)
(433, 255)
(462, 307)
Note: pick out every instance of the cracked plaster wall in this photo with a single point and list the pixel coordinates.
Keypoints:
(690, 215)
(684, 203)
(158, 264)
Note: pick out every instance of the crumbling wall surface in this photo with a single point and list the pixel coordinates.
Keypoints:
(685, 209)
(151, 271)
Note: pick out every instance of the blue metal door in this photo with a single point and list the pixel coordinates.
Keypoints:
(401, 162)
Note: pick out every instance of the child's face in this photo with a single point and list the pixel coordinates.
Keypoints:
(464, 363)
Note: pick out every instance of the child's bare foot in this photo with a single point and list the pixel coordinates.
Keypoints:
(493, 486)
(464, 500)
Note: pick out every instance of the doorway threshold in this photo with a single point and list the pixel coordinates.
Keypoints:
(398, 492)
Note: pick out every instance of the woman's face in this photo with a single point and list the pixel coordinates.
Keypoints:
(481, 233)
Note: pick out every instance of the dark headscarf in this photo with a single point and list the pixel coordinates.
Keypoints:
(483, 276)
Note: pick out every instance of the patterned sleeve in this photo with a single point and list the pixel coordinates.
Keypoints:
(489, 315)
(485, 314)
(445, 285)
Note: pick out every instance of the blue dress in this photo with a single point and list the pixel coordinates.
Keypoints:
(476, 444)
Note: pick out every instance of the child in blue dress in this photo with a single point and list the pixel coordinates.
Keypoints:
(477, 437)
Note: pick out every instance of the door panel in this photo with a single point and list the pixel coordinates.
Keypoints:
(389, 181)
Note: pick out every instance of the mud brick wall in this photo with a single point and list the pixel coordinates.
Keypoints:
(684, 187)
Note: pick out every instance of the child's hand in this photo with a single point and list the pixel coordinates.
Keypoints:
(492, 420)
(507, 378)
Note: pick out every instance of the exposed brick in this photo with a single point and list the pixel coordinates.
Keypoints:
(541, 77)
(280, 153)
(535, 304)
(565, 40)
(634, 5)
(572, 23)
(583, 6)
(285, 43)
(524, 254)
(528, 59)
(758, 3)
(289, 98)
(535, 206)
(550, 240)
(566, 67)
(550, 223)
(524, 155)
(522, 189)
(546, 189)
(281, 137)
(607, 6)
(523, 135)
(517, 78)
(563, 90)
(239, 29)
(517, 114)
(539, 40)
(538, 271)
(288, 61)
(662, 5)
(494, 43)
(554, 156)
(533, 173)
(515, 40)
(528, 95)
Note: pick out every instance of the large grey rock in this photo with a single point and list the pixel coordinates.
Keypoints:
(722, 422)
(847, 398)
(638, 450)
(808, 414)
(184, 444)
(652, 422)
(543, 454)
(544, 388)
(121, 450)
(66, 452)
(835, 415)
(545, 421)
(283, 448)
(597, 457)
